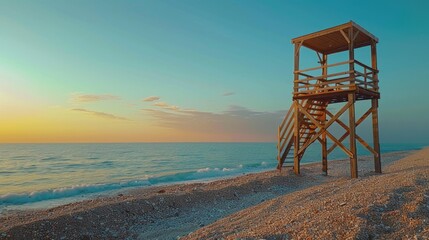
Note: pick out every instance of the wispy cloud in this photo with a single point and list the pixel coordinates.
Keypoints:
(93, 97)
(160, 104)
(237, 123)
(166, 106)
(99, 114)
(228, 94)
(151, 99)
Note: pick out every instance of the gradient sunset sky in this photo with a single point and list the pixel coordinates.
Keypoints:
(167, 71)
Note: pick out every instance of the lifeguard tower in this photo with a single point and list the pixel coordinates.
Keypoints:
(308, 119)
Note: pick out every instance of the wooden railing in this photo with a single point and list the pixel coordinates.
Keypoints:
(366, 79)
(361, 76)
(285, 133)
(286, 129)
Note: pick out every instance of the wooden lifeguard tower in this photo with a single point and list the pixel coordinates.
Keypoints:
(308, 119)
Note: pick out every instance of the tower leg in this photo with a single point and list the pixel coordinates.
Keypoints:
(377, 157)
(324, 143)
(353, 158)
(324, 148)
(296, 167)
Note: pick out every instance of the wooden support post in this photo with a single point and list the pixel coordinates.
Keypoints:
(323, 120)
(351, 59)
(324, 147)
(375, 134)
(353, 158)
(296, 138)
(296, 66)
(296, 167)
(374, 64)
(324, 67)
(374, 108)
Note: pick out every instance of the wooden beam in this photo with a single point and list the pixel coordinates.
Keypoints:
(348, 152)
(324, 145)
(361, 29)
(309, 116)
(296, 162)
(285, 153)
(322, 130)
(341, 139)
(345, 36)
(355, 35)
(364, 116)
(343, 125)
(298, 47)
(374, 63)
(341, 79)
(353, 158)
(365, 144)
(366, 66)
(296, 66)
(324, 142)
(286, 117)
(329, 123)
(377, 160)
(323, 32)
(330, 65)
(351, 56)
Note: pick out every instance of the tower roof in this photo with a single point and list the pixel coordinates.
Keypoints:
(335, 39)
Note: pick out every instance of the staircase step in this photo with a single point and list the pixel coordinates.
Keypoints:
(318, 104)
(316, 110)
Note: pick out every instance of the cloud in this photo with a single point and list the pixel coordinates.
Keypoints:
(166, 106)
(151, 99)
(228, 94)
(99, 114)
(94, 97)
(160, 104)
(174, 108)
(237, 123)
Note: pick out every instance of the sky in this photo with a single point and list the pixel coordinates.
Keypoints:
(190, 71)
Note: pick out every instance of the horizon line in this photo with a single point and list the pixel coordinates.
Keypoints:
(138, 142)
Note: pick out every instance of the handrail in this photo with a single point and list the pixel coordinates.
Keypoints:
(343, 80)
(327, 83)
(322, 77)
(286, 117)
(365, 66)
(329, 65)
(282, 131)
(305, 75)
(326, 89)
(286, 130)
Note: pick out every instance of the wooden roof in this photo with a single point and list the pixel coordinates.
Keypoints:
(332, 40)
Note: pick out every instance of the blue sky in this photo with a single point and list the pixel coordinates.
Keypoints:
(228, 62)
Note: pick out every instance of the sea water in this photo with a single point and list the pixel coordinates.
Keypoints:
(41, 175)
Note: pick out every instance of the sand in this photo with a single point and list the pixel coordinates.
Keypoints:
(267, 205)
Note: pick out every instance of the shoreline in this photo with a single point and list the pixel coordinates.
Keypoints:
(170, 211)
(50, 202)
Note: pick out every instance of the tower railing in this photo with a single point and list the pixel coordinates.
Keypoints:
(361, 76)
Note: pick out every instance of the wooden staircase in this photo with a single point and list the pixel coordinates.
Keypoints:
(285, 146)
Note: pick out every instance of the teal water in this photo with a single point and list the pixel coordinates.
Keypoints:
(35, 173)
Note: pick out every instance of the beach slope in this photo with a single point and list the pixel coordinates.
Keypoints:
(393, 205)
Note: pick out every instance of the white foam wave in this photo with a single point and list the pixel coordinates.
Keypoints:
(85, 189)
(23, 198)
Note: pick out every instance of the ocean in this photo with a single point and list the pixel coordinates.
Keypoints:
(42, 175)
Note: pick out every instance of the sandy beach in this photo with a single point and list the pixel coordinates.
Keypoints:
(267, 205)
